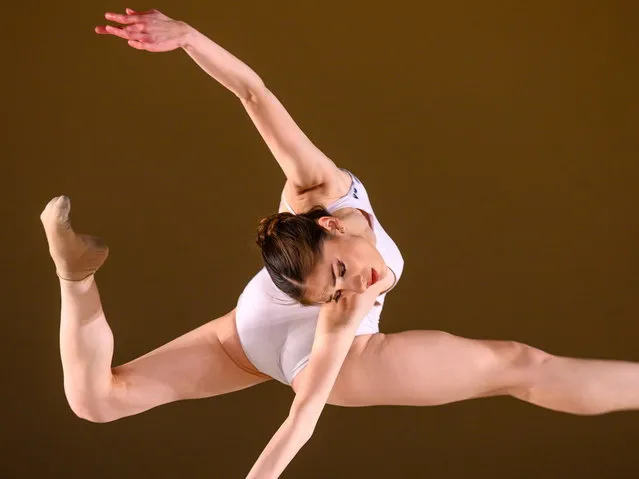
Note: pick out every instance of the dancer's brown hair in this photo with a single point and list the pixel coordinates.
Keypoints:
(291, 247)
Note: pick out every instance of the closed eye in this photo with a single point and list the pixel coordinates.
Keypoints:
(341, 274)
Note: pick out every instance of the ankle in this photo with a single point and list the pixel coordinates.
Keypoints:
(81, 284)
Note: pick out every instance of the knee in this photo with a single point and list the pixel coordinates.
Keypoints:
(88, 413)
(522, 363)
(92, 410)
(523, 356)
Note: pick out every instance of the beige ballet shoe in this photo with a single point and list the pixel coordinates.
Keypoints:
(76, 256)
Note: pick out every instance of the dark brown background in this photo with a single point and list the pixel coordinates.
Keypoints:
(499, 146)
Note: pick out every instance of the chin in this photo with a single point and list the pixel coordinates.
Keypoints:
(383, 272)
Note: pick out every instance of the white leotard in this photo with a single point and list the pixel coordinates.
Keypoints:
(276, 335)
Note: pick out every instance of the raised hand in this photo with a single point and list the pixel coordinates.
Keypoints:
(150, 30)
(353, 306)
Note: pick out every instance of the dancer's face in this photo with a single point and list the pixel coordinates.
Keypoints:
(345, 266)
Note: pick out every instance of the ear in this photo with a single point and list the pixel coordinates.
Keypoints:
(332, 224)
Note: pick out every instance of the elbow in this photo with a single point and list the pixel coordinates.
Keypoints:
(303, 428)
(252, 93)
(304, 419)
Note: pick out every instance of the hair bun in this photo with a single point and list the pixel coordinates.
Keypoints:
(268, 227)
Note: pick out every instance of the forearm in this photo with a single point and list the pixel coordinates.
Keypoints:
(220, 64)
(281, 449)
(333, 338)
(86, 349)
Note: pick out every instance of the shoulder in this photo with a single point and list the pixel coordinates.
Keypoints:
(335, 184)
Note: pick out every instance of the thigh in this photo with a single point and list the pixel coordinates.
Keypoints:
(420, 368)
(207, 361)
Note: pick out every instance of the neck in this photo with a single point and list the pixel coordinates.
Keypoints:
(356, 223)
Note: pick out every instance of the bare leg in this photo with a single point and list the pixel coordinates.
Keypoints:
(195, 365)
(421, 368)
(583, 386)
(86, 341)
(86, 347)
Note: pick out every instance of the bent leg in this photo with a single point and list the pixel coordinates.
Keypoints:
(202, 363)
(205, 362)
(422, 368)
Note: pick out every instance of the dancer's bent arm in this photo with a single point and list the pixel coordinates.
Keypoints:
(336, 327)
(303, 164)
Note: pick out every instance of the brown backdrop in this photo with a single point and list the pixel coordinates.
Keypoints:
(499, 146)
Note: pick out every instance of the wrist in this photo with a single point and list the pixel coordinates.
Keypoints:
(188, 35)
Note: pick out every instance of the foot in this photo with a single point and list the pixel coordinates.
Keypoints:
(76, 256)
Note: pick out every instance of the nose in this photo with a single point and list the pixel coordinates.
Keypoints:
(360, 283)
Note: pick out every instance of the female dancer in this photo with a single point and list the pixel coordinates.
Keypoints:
(310, 317)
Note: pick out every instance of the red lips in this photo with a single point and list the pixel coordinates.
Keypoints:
(374, 277)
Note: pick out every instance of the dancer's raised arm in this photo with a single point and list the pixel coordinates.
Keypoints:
(303, 164)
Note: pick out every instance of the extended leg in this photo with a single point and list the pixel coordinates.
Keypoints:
(420, 368)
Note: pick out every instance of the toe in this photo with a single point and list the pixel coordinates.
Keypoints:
(57, 209)
(63, 207)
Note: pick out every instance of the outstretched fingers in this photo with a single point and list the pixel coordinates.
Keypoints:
(125, 19)
(132, 22)
(150, 30)
(133, 32)
(138, 45)
(130, 11)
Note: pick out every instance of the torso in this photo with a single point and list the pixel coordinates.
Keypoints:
(300, 203)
